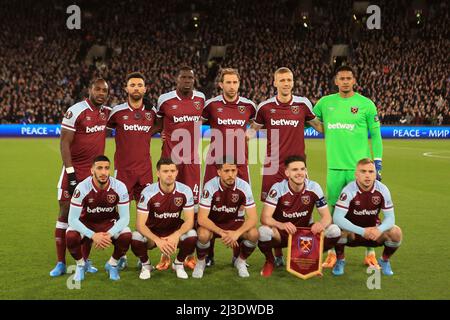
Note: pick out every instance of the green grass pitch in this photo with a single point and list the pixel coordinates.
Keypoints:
(419, 185)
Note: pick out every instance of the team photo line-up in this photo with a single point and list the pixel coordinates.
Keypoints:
(173, 213)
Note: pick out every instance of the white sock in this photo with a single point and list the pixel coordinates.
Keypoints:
(332, 251)
(239, 261)
(370, 251)
(80, 262)
(113, 262)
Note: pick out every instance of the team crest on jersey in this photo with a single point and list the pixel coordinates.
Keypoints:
(343, 197)
(354, 110)
(178, 201)
(76, 193)
(68, 114)
(102, 116)
(306, 200)
(205, 194)
(241, 109)
(295, 109)
(305, 244)
(111, 198)
(273, 193)
(197, 105)
(376, 200)
(148, 116)
(235, 197)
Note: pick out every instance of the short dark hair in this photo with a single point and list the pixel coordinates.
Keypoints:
(344, 68)
(137, 75)
(225, 160)
(185, 68)
(95, 80)
(100, 158)
(164, 161)
(294, 158)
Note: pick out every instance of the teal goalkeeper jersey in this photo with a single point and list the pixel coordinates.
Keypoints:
(347, 122)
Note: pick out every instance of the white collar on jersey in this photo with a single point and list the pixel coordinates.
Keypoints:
(220, 184)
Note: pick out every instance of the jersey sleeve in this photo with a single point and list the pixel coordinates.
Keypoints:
(318, 109)
(273, 196)
(143, 201)
(321, 201)
(189, 198)
(160, 108)
(206, 113)
(207, 196)
(112, 123)
(260, 116)
(344, 199)
(70, 119)
(309, 115)
(252, 110)
(124, 197)
(388, 205)
(249, 200)
(373, 123)
(78, 195)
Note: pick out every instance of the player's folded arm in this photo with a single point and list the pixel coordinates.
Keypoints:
(345, 224)
(388, 221)
(76, 224)
(124, 219)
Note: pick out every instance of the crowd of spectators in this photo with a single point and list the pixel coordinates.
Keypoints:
(43, 66)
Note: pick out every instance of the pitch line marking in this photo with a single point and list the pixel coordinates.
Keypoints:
(433, 154)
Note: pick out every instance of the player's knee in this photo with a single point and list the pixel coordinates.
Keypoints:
(73, 239)
(333, 231)
(265, 233)
(190, 234)
(395, 234)
(136, 236)
(253, 235)
(203, 235)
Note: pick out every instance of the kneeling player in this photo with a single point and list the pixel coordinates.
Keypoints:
(219, 217)
(99, 213)
(159, 223)
(288, 206)
(356, 213)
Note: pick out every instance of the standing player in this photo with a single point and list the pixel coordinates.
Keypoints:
(82, 139)
(134, 124)
(219, 216)
(159, 223)
(99, 213)
(356, 213)
(284, 117)
(348, 118)
(290, 205)
(228, 115)
(181, 112)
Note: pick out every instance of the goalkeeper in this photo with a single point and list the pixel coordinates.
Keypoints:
(347, 118)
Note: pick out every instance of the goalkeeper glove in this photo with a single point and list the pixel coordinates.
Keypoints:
(72, 180)
(378, 168)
